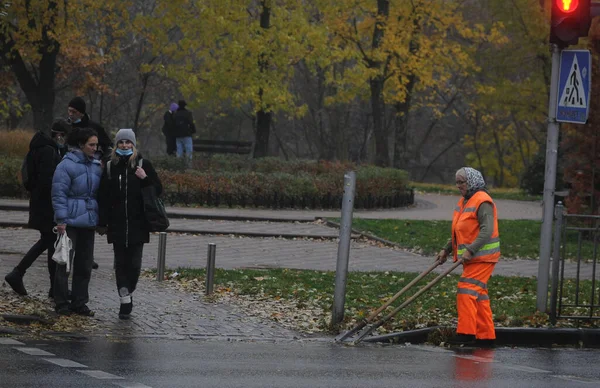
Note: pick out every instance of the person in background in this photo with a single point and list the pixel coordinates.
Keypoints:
(122, 212)
(74, 188)
(46, 153)
(168, 129)
(475, 240)
(184, 129)
(78, 118)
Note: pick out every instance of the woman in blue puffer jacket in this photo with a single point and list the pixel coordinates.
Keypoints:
(74, 187)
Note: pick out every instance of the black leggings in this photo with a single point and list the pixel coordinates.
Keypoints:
(45, 243)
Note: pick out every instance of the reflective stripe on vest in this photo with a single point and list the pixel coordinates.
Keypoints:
(492, 247)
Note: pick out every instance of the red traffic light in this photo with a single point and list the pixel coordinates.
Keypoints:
(567, 6)
(571, 20)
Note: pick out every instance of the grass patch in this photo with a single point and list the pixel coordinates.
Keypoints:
(497, 192)
(15, 143)
(513, 298)
(519, 239)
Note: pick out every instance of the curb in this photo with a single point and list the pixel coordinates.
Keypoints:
(509, 336)
(190, 216)
(9, 224)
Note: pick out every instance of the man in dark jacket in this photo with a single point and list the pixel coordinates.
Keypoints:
(168, 128)
(184, 129)
(47, 152)
(80, 119)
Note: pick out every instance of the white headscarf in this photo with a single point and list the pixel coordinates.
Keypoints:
(475, 181)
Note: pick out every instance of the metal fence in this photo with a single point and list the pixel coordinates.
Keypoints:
(576, 238)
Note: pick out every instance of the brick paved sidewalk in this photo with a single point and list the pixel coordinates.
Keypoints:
(159, 310)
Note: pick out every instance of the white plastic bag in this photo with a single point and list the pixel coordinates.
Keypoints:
(62, 250)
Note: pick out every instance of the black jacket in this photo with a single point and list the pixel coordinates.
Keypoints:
(104, 142)
(121, 207)
(168, 128)
(184, 123)
(46, 156)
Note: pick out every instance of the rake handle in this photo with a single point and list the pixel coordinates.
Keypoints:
(402, 291)
(408, 301)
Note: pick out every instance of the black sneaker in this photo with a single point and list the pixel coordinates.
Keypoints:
(15, 281)
(83, 310)
(94, 265)
(125, 310)
(64, 310)
(462, 339)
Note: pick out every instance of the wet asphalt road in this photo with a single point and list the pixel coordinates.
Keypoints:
(145, 362)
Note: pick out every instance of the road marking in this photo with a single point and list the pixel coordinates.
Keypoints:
(578, 379)
(524, 368)
(34, 351)
(10, 341)
(65, 363)
(98, 374)
(131, 385)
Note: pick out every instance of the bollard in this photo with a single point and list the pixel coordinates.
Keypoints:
(341, 271)
(210, 268)
(162, 252)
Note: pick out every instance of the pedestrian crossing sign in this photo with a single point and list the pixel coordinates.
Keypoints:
(574, 86)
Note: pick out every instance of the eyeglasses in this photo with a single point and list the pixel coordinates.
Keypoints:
(461, 182)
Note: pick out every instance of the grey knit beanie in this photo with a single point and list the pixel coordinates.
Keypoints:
(125, 134)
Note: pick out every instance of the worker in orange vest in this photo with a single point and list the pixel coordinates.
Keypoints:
(476, 241)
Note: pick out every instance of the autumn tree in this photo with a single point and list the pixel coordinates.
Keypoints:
(46, 41)
(581, 144)
(399, 48)
(237, 53)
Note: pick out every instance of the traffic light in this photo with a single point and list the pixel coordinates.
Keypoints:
(570, 20)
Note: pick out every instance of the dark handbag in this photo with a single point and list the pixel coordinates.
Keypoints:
(154, 210)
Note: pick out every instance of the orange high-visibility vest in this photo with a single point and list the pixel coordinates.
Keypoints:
(465, 228)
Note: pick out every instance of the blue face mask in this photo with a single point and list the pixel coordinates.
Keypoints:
(121, 152)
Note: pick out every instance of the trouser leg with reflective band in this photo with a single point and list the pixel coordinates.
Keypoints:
(473, 302)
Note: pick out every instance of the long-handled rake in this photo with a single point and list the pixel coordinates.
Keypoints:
(432, 283)
(365, 321)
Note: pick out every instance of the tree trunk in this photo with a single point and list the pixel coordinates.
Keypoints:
(37, 84)
(401, 131)
(263, 115)
(382, 157)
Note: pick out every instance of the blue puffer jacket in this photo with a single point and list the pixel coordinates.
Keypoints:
(74, 187)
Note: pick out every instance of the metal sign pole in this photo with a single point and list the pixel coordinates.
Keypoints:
(549, 186)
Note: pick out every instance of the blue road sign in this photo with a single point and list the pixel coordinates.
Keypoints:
(574, 86)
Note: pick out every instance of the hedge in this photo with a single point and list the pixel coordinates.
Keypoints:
(267, 182)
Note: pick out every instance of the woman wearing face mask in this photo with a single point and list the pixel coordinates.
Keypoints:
(122, 212)
(74, 188)
(46, 153)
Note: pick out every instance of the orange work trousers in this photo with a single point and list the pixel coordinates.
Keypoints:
(473, 302)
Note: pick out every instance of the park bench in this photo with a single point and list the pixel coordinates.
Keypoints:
(222, 146)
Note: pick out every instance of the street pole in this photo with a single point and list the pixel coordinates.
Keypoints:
(549, 186)
(341, 272)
